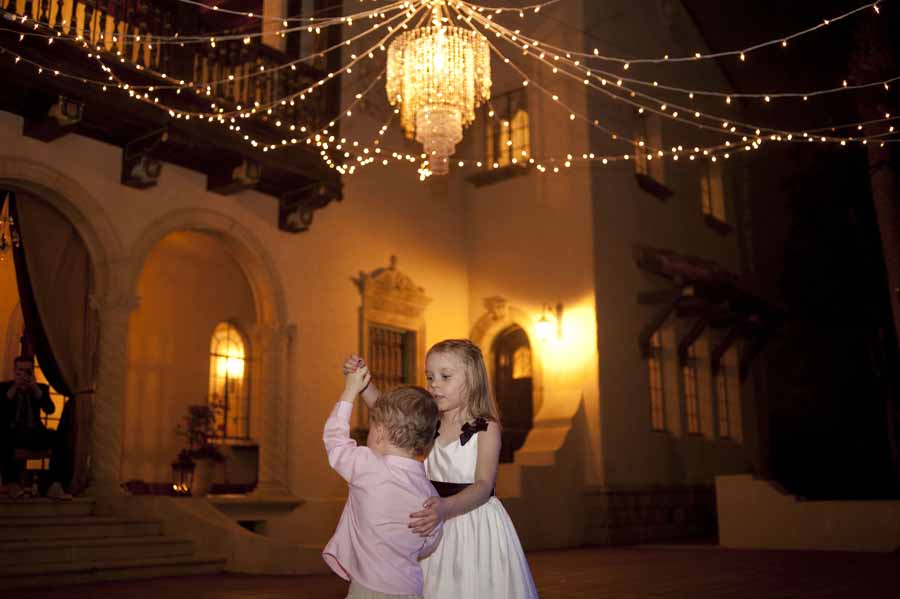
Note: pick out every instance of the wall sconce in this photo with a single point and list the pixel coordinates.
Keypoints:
(545, 327)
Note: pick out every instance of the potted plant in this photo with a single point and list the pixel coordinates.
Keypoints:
(199, 428)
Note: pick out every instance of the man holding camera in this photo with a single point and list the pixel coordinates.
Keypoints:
(21, 427)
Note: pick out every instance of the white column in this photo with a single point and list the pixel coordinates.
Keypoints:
(271, 344)
(109, 399)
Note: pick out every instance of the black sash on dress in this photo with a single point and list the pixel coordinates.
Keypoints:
(450, 489)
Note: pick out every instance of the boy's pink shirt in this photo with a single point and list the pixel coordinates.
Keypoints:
(373, 544)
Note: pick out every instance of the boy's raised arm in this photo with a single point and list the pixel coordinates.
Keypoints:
(370, 393)
(340, 447)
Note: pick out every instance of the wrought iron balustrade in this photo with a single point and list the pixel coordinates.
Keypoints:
(242, 71)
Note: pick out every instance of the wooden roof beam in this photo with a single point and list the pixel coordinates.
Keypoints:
(724, 344)
(685, 343)
(659, 317)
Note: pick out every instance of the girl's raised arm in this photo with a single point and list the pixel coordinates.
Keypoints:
(437, 509)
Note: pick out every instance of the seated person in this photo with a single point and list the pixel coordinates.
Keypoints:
(21, 403)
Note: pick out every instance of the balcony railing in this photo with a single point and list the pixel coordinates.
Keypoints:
(233, 72)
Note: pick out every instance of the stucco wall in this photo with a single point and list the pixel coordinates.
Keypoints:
(623, 215)
(792, 523)
(530, 237)
(535, 239)
(383, 213)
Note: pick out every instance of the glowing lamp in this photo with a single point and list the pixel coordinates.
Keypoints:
(546, 325)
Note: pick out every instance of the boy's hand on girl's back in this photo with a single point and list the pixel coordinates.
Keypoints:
(426, 520)
(357, 380)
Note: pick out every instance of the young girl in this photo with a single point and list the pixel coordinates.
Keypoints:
(480, 556)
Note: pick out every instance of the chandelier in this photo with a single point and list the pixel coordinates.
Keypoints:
(438, 75)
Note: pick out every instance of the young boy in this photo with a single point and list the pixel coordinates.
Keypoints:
(373, 546)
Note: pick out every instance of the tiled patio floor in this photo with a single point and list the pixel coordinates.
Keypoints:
(615, 573)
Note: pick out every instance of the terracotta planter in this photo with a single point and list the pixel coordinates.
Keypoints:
(204, 469)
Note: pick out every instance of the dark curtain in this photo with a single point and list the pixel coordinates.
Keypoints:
(54, 278)
(34, 327)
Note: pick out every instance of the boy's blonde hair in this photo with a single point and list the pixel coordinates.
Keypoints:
(479, 401)
(409, 416)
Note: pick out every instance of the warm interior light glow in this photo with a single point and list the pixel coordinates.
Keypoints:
(571, 354)
(549, 325)
(544, 328)
(228, 370)
(231, 362)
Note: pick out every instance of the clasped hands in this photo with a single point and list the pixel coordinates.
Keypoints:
(26, 386)
(358, 379)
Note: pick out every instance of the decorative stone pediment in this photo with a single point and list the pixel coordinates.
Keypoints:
(388, 290)
(391, 302)
(497, 307)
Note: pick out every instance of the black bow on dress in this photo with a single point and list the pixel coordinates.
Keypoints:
(469, 429)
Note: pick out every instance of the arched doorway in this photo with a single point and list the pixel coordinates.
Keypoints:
(47, 280)
(513, 387)
(190, 284)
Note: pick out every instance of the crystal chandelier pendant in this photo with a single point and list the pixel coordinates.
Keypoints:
(439, 130)
(438, 75)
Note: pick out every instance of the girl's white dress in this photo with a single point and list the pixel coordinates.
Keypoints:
(480, 556)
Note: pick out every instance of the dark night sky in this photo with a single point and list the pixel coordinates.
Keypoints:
(815, 243)
(818, 60)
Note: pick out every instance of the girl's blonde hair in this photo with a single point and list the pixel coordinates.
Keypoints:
(480, 401)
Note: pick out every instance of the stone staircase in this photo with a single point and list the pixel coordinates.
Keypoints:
(49, 543)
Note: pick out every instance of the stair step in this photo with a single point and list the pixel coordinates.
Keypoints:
(58, 575)
(16, 553)
(31, 508)
(75, 527)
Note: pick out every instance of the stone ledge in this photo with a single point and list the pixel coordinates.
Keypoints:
(254, 507)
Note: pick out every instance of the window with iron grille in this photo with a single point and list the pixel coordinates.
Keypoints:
(507, 130)
(657, 392)
(391, 356)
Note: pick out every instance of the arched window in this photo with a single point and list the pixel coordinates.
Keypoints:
(228, 385)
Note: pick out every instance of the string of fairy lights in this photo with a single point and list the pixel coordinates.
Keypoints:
(348, 20)
(665, 108)
(741, 53)
(45, 31)
(531, 48)
(529, 43)
(584, 67)
(692, 153)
